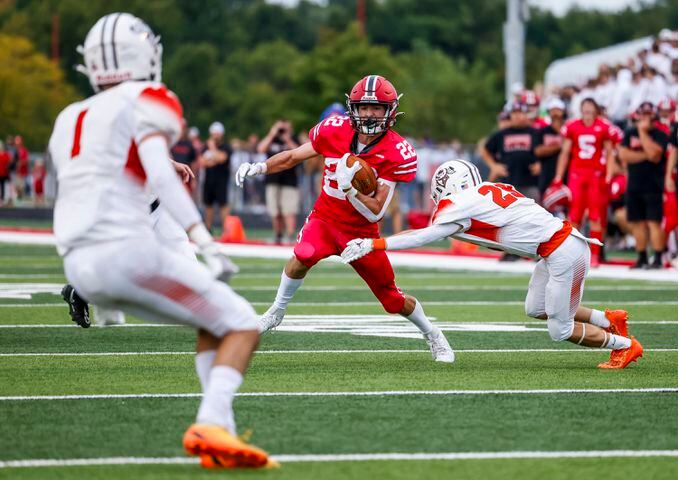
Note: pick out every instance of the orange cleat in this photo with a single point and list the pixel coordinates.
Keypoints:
(618, 322)
(218, 448)
(621, 358)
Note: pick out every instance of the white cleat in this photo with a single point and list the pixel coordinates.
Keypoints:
(440, 348)
(271, 319)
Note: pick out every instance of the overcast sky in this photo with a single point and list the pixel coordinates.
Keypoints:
(558, 7)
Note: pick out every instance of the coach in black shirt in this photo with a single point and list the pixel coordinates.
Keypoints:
(643, 151)
(549, 142)
(216, 160)
(509, 153)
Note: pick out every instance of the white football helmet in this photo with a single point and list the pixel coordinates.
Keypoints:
(118, 48)
(453, 177)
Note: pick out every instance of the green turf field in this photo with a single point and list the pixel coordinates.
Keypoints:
(339, 379)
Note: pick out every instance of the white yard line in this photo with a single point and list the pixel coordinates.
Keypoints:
(470, 288)
(329, 319)
(347, 457)
(384, 393)
(376, 304)
(346, 351)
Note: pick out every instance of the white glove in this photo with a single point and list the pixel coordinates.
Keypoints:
(356, 249)
(249, 170)
(213, 254)
(345, 174)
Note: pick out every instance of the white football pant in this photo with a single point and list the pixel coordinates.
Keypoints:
(557, 285)
(146, 278)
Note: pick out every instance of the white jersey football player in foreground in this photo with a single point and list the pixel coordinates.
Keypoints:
(497, 216)
(107, 149)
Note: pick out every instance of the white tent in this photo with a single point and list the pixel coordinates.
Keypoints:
(578, 69)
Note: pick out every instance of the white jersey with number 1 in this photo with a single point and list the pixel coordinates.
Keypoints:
(497, 216)
(102, 194)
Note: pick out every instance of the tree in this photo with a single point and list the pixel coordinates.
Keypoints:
(32, 91)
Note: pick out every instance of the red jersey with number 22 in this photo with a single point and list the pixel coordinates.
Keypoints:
(392, 158)
(586, 155)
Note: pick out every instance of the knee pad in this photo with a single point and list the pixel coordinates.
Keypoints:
(559, 330)
(306, 254)
(534, 312)
(392, 303)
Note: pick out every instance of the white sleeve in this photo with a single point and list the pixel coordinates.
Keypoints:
(366, 212)
(163, 180)
(418, 238)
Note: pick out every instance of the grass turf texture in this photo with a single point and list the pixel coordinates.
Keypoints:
(332, 425)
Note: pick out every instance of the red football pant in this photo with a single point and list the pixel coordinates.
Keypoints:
(589, 192)
(319, 239)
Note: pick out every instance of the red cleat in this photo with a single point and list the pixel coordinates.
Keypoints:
(621, 358)
(618, 322)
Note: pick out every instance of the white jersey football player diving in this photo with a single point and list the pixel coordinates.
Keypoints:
(110, 150)
(497, 216)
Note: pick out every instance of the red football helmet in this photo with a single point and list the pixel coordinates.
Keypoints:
(530, 98)
(373, 89)
(557, 197)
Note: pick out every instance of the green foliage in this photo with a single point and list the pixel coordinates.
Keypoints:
(32, 91)
(248, 62)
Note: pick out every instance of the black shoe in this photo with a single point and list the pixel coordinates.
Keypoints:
(509, 257)
(639, 265)
(655, 265)
(77, 307)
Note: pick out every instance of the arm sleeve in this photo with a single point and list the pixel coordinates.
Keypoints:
(163, 180)
(157, 111)
(401, 171)
(418, 238)
(321, 134)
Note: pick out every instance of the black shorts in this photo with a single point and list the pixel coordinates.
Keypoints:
(215, 192)
(644, 206)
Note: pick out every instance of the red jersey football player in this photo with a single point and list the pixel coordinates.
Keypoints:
(587, 151)
(341, 213)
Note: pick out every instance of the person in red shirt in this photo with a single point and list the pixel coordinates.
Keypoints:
(22, 167)
(341, 213)
(5, 161)
(587, 151)
(39, 174)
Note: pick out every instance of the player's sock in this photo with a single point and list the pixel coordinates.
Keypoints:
(419, 318)
(203, 365)
(216, 406)
(599, 319)
(598, 235)
(617, 342)
(286, 290)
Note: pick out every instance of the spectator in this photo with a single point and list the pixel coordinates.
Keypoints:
(549, 143)
(282, 189)
(184, 152)
(5, 162)
(22, 161)
(509, 154)
(215, 160)
(39, 174)
(643, 152)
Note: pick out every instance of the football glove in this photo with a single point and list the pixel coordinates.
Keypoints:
(213, 254)
(356, 249)
(345, 174)
(249, 170)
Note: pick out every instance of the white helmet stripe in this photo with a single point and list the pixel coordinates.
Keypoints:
(371, 84)
(103, 47)
(115, 53)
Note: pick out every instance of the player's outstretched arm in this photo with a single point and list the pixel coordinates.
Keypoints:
(360, 247)
(277, 163)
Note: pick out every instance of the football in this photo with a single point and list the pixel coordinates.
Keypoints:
(365, 180)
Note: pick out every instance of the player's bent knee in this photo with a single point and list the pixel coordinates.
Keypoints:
(560, 331)
(534, 312)
(306, 254)
(393, 304)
